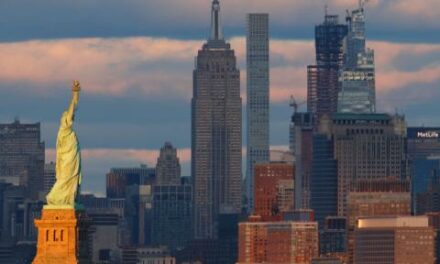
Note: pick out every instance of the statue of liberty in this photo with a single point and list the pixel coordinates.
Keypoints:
(68, 159)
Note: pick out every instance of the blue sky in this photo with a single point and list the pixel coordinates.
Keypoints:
(135, 61)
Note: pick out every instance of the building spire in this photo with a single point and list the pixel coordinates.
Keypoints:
(216, 31)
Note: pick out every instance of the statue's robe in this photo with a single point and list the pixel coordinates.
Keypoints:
(68, 165)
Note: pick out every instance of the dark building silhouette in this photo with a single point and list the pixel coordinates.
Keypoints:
(171, 223)
(333, 239)
(22, 156)
(324, 179)
(424, 153)
(118, 179)
(301, 143)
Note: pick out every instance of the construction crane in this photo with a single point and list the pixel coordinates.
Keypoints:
(295, 104)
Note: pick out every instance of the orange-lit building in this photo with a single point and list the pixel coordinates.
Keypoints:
(278, 242)
(386, 197)
(273, 191)
(407, 239)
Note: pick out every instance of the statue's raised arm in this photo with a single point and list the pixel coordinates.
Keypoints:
(68, 160)
(70, 116)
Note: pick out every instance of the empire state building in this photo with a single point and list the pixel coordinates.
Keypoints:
(216, 132)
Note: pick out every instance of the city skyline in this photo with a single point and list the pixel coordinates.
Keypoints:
(119, 106)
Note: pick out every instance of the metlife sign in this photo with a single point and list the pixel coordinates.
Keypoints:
(423, 133)
(428, 134)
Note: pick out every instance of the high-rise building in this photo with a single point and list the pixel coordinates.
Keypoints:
(216, 131)
(428, 200)
(424, 153)
(322, 78)
(153, 255)
(273, 190)
(22, 156)
(277, 242)
(377, 198)
(171, 223)
(138, 213)
(333, 238)
(257, 54)
(355, 40)
(118, 179)
(168, 166)
(423, 142)
(107, 233)
(49, 176)
(366, 147)
(394, 240)
(357, 88)
(324, 179)
(301, 143)
(357, 91)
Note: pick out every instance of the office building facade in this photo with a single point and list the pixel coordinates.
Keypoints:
(366, 147)
(273, 190)
(22, 156)
(301, 144)
(172, 210)
(168, 166)
(394, 240)
(278, 242)
(424, 153)
(324, 179)
(216, 131)
(118, 179)
(49, 176)
(257, 58)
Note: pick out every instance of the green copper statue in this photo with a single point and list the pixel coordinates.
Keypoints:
(68, 160)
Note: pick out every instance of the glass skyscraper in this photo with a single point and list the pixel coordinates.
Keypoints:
(357, 88)
(257, 44)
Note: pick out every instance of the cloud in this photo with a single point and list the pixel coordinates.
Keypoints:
(48, 19)
(162, 68)
(137, 156)
(426, 10)
(106, 66)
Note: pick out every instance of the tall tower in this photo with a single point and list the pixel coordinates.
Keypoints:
(357, 91)
(168, 166)
(257, 47)
(216, 132)
(322, 78)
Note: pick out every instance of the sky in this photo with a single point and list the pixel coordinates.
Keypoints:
(135, 59)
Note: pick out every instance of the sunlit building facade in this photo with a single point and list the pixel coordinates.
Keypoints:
(394, 240)
(278, 242)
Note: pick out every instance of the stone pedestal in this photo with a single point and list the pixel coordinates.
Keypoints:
(62, 237)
